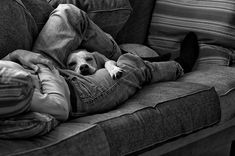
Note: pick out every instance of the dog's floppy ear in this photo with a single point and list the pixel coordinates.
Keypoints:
(99, 58)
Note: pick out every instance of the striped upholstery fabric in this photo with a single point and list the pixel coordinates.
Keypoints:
(16, 91)
(213, 55)
(27, 125)
(233, 56)
(212, 20)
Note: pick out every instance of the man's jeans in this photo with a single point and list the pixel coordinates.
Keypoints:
(68, 29)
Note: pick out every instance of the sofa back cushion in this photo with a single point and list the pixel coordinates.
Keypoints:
(109, 15)
(213, 55)
(136, 28)
(213, 22)
(40, 10)
(17, 27)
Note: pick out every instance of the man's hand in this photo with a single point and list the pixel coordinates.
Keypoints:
(30, 59)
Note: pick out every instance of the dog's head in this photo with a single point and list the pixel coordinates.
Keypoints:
(82, 62)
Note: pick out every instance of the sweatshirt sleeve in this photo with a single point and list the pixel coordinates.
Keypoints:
(54, 96)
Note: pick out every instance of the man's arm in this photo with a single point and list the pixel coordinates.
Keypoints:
(28, 59)
(54, 96)
(114, 71)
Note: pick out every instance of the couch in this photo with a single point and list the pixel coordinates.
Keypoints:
(194, 115)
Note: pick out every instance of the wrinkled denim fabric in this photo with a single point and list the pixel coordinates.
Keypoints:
(17, 27)
(69, 28)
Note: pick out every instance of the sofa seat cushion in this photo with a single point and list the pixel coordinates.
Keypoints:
(67, 139)
(157, 113)
(223, 79)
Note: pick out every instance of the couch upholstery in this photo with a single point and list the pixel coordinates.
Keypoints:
(211, 20)
(222, 78)
(198, 104)
(153, 115)
(20, 31)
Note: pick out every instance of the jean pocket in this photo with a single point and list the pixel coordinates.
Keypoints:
(87, 89)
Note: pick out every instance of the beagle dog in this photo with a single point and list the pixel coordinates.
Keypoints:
(87, 63)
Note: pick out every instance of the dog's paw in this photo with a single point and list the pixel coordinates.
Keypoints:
(116, 73)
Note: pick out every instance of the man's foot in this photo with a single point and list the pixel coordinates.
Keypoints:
(189, 52)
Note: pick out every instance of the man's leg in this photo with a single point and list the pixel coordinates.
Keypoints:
(69, 28)
(99, 92)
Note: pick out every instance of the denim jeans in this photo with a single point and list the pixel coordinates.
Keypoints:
(69, 28)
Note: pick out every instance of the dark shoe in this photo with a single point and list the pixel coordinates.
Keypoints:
(189, 52)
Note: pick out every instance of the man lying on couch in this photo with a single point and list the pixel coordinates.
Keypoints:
(68, 29)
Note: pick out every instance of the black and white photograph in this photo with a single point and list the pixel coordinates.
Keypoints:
(117, 77)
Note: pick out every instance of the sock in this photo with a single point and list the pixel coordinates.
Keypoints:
(189, 52)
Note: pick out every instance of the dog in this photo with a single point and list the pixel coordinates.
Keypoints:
(87, 63)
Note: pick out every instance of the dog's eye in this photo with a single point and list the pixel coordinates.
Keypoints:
(89, 59)
(71, 64)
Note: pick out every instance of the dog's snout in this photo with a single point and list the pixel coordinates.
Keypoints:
(84, 68)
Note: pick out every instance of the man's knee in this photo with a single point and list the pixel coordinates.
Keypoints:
(70, 11)
(71, 15)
